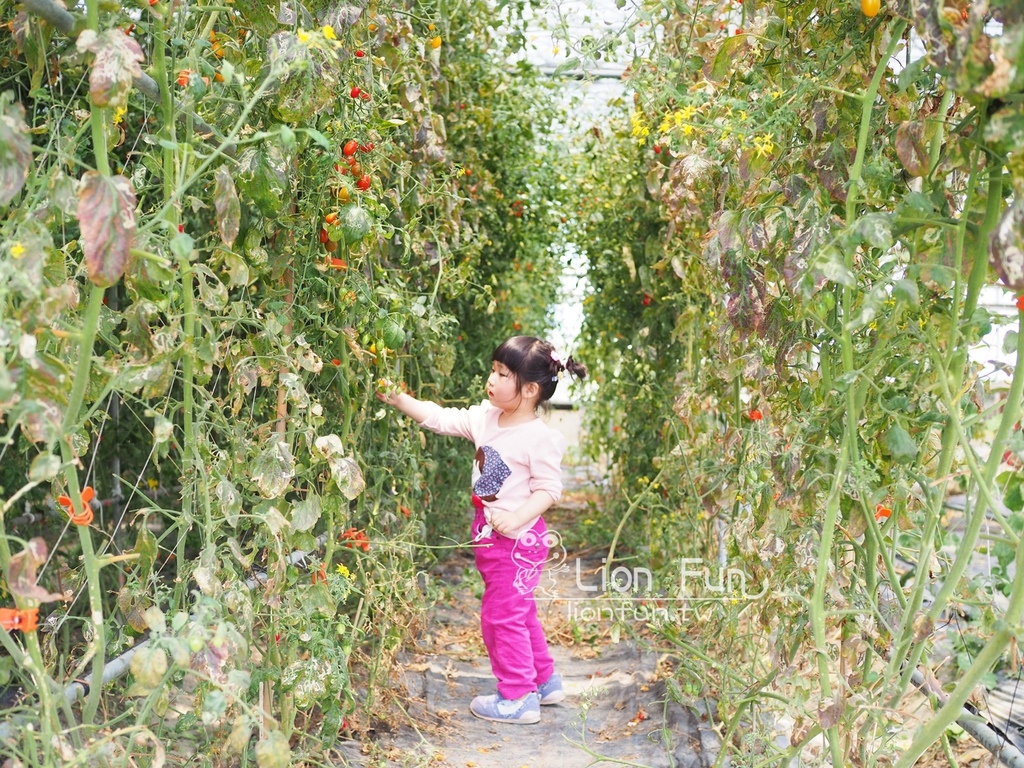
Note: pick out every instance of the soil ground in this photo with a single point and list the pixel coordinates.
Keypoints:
(617, 709)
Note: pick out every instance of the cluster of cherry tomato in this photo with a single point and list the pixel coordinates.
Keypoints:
(354, 167)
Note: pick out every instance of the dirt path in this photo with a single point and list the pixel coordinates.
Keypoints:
(617, 707)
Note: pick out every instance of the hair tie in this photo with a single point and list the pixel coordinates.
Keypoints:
(559, 365)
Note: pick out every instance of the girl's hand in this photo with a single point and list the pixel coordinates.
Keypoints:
(387, 391)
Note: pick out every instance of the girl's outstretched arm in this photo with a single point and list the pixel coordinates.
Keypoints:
(417, 410)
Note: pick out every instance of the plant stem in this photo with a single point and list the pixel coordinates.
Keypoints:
(90, 324)
(849, 450)
(965, 551)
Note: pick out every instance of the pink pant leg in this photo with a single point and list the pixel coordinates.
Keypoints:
(512, 632)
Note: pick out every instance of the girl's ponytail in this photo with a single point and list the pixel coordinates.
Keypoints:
(533, 359)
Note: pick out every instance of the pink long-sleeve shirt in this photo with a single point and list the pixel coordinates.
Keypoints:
(511, 462)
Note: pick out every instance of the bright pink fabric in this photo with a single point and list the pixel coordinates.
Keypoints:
(511, 629)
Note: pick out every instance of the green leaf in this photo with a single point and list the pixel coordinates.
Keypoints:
(905, 291)
(568, 65)
(910, 73)
(318, 137)
(900, 444)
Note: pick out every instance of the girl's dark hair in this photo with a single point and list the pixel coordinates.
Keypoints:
(531, 359)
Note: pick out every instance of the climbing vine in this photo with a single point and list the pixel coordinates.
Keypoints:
(805, 204)
(222, 225)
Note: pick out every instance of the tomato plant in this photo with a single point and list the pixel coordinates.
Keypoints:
(162, 246)
(808, 256)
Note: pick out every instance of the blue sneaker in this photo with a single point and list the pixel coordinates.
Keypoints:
(551, 692)
(525, 709)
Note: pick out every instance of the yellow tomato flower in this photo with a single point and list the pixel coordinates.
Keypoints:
(303, 36)
(764, 145)
(328, 31)
(344, 571)
(17, 250)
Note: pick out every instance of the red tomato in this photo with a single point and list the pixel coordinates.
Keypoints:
(755, 415)
(364, 183)
(350, 148)
(354, 93)
(359, 54)
(324, 236)
(1020, 303)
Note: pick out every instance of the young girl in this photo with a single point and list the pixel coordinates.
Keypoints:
(517, 477)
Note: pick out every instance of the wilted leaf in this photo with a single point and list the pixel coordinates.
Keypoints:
(230, 501)
(276, 522)
(829, 716)
(225, 201)
(21, 572)
(15, 149)
(106, 214)
(148, 666)
(146, 548)
(273, 470)
(830, 263)
(910, 147)
(273, 751)
(1006, 248)
(722, 63)
(115, 63)
(345, 471)
(44, 467)
(348, 477)
(876, 230)
(305, 514)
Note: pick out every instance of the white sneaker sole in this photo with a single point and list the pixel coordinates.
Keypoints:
(527, 719)
(555, 697)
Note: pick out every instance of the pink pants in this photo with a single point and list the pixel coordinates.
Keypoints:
(512, 632)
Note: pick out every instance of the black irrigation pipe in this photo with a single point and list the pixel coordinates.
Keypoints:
(985, 732)
(63, 21)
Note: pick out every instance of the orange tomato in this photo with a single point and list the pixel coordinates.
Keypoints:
(870, 7)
